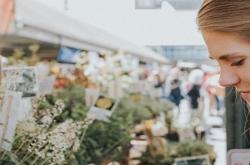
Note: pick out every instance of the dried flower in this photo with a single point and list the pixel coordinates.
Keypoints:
(56, 143)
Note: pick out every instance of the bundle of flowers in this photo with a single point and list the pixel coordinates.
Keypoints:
(41, 139)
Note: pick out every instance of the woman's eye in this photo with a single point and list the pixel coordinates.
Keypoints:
(238, 63)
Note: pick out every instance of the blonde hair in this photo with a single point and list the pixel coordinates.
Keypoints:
(225, 15)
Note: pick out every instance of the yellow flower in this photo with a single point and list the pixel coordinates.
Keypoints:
(104, 103)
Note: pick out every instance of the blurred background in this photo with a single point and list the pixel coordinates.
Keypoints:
(148, 53)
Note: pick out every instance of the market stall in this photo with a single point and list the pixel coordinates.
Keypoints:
(33, 20)
(92, 100)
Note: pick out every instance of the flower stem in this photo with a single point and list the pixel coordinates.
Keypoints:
(43, 162)
(18, 149)
(4, 153)
(34, 161)
(26, 157)
(88, 122)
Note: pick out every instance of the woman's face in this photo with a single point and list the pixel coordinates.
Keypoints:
(233, 56)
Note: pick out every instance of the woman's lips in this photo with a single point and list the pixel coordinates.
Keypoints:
(245, 95)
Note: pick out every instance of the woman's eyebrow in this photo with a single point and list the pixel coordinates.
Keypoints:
(228, 56)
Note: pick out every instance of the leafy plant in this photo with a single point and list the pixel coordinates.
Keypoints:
(148, 159)
(178, 150)
(104, 141)
(195, 148)
(74, 99)
(147, 108)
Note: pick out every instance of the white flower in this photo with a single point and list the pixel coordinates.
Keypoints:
(47, 120)
(51, 143)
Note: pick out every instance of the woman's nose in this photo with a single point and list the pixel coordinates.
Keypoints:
(228, 79)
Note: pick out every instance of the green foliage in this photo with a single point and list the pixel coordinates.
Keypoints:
(184, 149)
(147, 108)
(193, 148)
(110, 140)
(103, 141)
(131, 112)
(148, 159)
(74, 99)
(8, 158)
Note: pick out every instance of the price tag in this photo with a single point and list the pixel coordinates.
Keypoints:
(21, 79)
(102, 108)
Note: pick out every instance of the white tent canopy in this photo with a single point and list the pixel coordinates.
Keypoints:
(157, 27)
(37, 21)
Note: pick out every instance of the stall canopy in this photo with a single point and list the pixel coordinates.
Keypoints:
(36, 21)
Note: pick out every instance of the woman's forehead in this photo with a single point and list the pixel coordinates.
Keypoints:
(221, 43)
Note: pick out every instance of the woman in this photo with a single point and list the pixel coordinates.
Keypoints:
(225, 26)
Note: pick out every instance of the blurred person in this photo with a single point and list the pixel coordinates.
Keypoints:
(173, 73)
(215, 93)
(175, 94)
(159, 84)
(225, 26)
(194, 95)
(221, 95)
(159, 80)
(183, 78)
(196, 76)
(195, 81)
(213, 99)
(210, 91)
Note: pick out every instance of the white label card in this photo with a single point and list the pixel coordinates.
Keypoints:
(46, 85)
(201, 160)
(21, 79)
(24, 109)
(90, 96)
(8, 118)
(238, 157)
(102, 108)
(43, 70)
